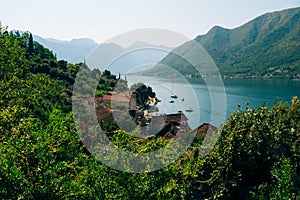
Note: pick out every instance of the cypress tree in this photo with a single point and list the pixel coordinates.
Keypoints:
(30, 49)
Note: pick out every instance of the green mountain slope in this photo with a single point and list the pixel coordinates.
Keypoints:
(266, 46)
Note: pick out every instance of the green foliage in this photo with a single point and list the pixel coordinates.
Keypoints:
(142, 93)
(109, 82)
(251, 151)
(30, 49)
(121, 86)
(257, 155)
(282, 185)
(12, 54)
(136, 86)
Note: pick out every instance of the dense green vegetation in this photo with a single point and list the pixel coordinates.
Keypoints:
(142, 93)
(42, 156)
(267, 46)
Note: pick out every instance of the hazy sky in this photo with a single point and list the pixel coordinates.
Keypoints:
(100, 20)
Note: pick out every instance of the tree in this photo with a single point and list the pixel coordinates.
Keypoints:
(30, 48)
(121, 86)
(142, 93)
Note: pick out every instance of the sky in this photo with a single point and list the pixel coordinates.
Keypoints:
(100, 20)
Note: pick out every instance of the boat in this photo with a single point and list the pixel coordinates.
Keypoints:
(174, 96)
(171, 101)
(189, 110)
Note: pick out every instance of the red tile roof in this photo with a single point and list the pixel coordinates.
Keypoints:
(123, 97)
(103, 112)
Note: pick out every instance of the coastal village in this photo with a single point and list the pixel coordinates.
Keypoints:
(171, 125)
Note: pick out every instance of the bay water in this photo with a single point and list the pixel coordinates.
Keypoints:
(203, 103)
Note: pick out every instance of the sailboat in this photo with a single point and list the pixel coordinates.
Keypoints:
(174, 96)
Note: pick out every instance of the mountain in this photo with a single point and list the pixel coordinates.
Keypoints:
(126, 60)
(141, 44)
(267, 46)
(102, 54)
(73, 51)
(99, 56)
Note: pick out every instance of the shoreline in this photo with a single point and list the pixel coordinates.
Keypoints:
(238, 77)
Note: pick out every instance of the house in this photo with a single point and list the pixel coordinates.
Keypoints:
(204, 129)
(123, 98)
(104, 114)
(172, 125)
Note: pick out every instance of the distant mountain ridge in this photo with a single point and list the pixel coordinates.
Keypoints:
(76, 50)
(267, 46)
(126, 59)
(73, 51)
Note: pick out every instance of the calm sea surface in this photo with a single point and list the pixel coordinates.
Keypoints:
(214, 103)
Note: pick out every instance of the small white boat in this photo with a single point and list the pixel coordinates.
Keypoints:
(174, 96)
(171, 101)
(189, 110)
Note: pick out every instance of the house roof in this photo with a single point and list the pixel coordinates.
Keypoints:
(177, 117)
(98, 100)
(103, 112)
(170, 124)
(123, 97)
(205, 128)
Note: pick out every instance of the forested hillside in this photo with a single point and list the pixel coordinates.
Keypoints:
(42, 156)
(267, 46)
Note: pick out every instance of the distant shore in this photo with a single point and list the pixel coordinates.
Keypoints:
(237, 76)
